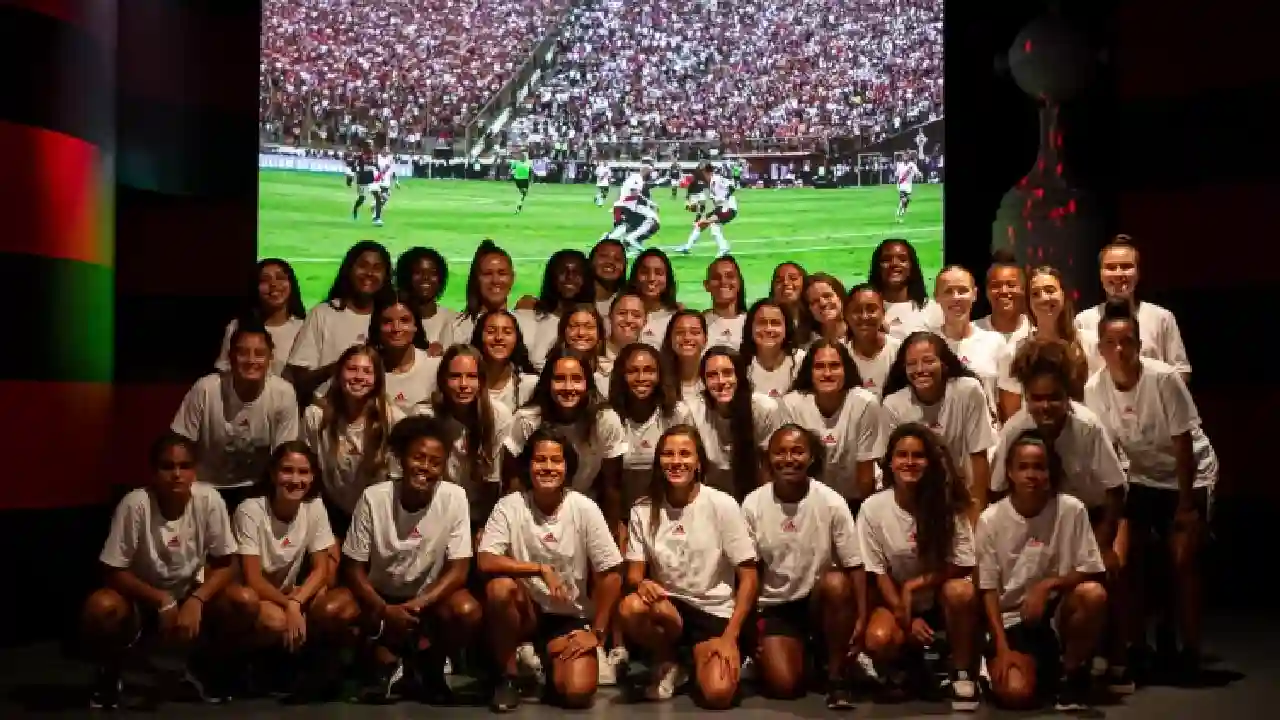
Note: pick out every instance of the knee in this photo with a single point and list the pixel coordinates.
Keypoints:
(715, 691)
(632, 608)
(959, 594)
(779, 678)
(465, 610)
(241, 601)
(105, 611)
(334, 612)
(1017, 691)
(883, 639)
(834, 586)
(1090, 596)
(271, 619)
(578, 691)
(501, 592)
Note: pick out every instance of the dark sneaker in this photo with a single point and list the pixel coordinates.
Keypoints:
(1073, 692)
(506, 695)
(895, 685)
(384, 687)
(1188, 668)
(432, 687)
(839, 696)
(963, 689)
(1119, 680)
(107, 688)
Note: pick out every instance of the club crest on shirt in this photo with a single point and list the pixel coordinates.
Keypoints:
(549, 538)
(965, 359)
(829, 439)
(789, 525)
(244, 422)
(173, 542)
(414, 534)
(936, 427)
(911, 538)
(1129, 412)
(678, 529)
(773, 393)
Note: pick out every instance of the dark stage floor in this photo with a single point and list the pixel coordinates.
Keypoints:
(37, 681)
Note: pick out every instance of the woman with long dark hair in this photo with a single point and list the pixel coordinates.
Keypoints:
(581, 331)
(823, 309)
(929, 385)
(769, 349)
(647, 406)
(395, 331)
(896, 274)
(917, 543)
(342, 320)
(609, 271)
(625, 320)
(510, 375)
(682, 350)
(873, 349)
(691, 570)
(786, 290)
(733, 421)
(553, 569)
(1049, 319)
(274, 301)
(812, 583)
(728, 302)
(566, 282)
(424, 274)
(828, 401)
(489, 283)
(654, 281)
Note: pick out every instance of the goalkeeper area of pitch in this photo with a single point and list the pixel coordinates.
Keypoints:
(305, 218)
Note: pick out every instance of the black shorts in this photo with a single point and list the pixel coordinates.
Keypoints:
(699, 625)
(904, 194)
(552, 626)
(791, 619)
(428, 624)
(724, 217)
(1040, 643)
(1154, 508)
(522, 185)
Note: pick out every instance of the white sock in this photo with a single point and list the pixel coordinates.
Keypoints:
(693, 237)
(721, 244)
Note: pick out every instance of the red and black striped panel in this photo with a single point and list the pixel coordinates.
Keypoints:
(1196, 124)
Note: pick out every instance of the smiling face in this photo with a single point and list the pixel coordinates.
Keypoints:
(581, 333)
(641, 372)
(651, 278)
(1047, 299)
(397, 326)
(273, 288)
(547, 466)
(293, 477)
(462, 380)
(678, 458)
(499, 336)
(1004, 290)
(1119, 344)
(570, 275)
(424, 463)
(608, 262)
(1119, 272)
(828, 371)
(955, 292)
(895, 265)
(568, 383)
(908, 460)
(720, 378)
(1047, 402)
(626, 320)
(496, 278)
(358, 376)
(369, 273)
(864, 313)
(824, 303)
(723, 283)
(251, 357)
(688, 339)
(768, 327)
(924, 367)
(425, 277)
(790, 457)
(788, 283)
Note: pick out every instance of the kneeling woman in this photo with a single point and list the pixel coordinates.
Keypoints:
(1037, 557)
(405, 566)
(540, 547)
(279, 530)
(163, 536)
(812, 577)
(688, 546)
(918, 544)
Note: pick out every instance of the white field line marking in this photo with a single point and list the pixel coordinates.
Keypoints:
(711, 251)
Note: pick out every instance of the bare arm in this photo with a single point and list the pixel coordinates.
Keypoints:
(607, 592)
(453, 579)
(610, 480)
(744, 599)
(133, 588)
(251, 569)
(995, 620)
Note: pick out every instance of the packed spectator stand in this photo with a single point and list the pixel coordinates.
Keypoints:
(655, 70)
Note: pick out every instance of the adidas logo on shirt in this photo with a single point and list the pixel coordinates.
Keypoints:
(829, 439)
(399, 397)
(173, 542)
(414, 534)
(789, 525)
(285, 543)
(646, 444)
(773, 393)
(868, 383)
(549, 538)
(677, 530)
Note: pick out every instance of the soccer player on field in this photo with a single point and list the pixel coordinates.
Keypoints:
(906, 172)
(675, 173)
(386, 174)
(635, 214)
(520, 170)
(349, 160)
(719, 190)
(604, 178)
(366, 171)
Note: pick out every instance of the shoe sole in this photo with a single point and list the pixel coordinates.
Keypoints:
(965, 705)
(1129, 689)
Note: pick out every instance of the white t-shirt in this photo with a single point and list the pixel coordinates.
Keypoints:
(1024, 327)
(282, 337)
(695, 551)
(458, 465)
(1144, 421)
(655, 328)
(541, 331)
(407, 551)
(724, 331)
(236, 438)
(1157, 328)
(515, 392)
(326, 334)
(415, 385)
(439, 327)
(851, 436)
(777, 382)
(962, 418)
(875, 370)
(1084, 448)
(462, 327)
(980, 352)
(903, 318)
(608, 441)
(888, 537)
(642, 445)
(168, 555)
(1004, 374)
(281, 546)
(1015, 552)
(575, 541)
(797, 542)
(906, 173)
(604, 176)
(344, 477)
(716, 432)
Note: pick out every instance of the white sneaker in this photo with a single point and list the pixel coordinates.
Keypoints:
(964, 692)
(664, 684)
(528, 664)
(448, 666)
(868, 668)
(611, 665)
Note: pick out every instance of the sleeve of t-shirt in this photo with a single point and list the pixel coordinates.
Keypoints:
(613, 439)
(888, 417)
(286, 420)
(1088, 558)
(187, 420)
(735, 538)
(502, 429)
(360, 535)
(245, 527)
(223, 363)
(870, 544)
(844, 535)
(310, 434)
(522, 426)
(307, 346)
(978, 434)
(601, 549)
(496, 538)
(870, 441)
(1175, 353)
(122, 539)
(1107, 469)
(1004, 370)
(750, 515)
(1179, 409)
(322, 536)
(768, 417)
(220, 541)
(988, 563)
(1012, 428)
(459, 546)
(962, 553)
(636, 534)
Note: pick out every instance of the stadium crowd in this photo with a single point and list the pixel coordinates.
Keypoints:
(334, 69)
(692, 70)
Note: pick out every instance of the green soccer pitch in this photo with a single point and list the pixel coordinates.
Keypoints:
(305, 218)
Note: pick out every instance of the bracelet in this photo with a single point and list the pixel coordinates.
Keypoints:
(168, 606)
(294, 600)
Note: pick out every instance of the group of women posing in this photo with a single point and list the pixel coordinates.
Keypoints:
(599, 471)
